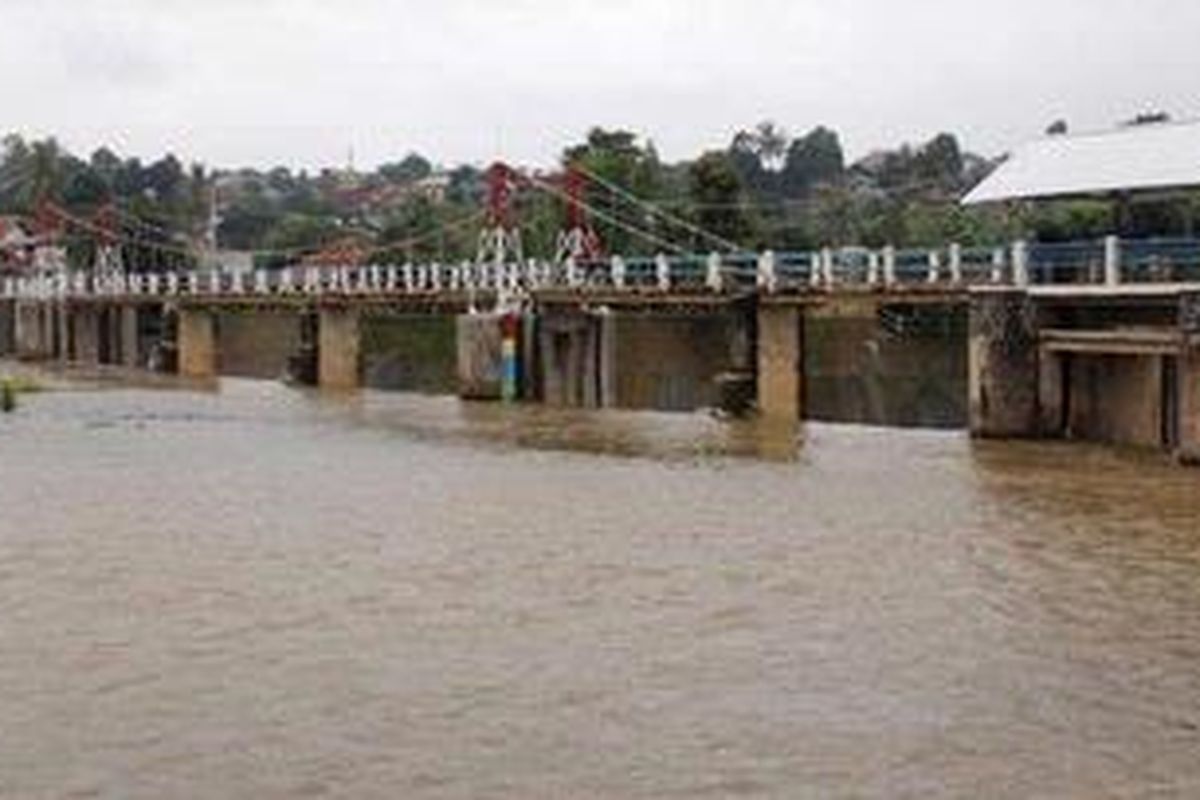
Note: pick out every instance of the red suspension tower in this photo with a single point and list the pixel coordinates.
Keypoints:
(500, 241)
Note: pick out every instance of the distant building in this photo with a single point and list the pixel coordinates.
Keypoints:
(17, 246)
(1142, 159)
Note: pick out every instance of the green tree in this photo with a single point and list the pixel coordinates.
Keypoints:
(814, 159)
(413, 167)
(717, 194)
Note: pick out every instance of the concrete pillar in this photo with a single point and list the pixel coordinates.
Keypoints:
(606, 361)
(780, 362)
(197, 343)
(62, 339)
(1003, 372)
(338, 349)
(28, 330)
(1020, 264)
(1052, 382)
(47, 317)
(480, 357)
(1188, 406)
(530, 362)
(1112, 261)
(8, 320)
(573, 364)
(85, 332)
(130, 337)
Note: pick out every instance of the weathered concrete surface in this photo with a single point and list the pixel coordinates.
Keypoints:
(480, 359)
(62, 345)
(1003, 365)
(1052, 387)
(410, 353)
(573, 369)
(85, 330)
(1188, 406)
(8, 324)
(780, 365)
(876, 364)
(338, 349)
(1116, 399)
(667, 363)
(31, 337)
(197, 343)
(257, 345)
(131, 340)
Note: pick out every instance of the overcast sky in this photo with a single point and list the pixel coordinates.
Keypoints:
(298, 82)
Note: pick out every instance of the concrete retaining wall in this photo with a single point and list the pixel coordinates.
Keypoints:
(257, 345)
(1116, 399)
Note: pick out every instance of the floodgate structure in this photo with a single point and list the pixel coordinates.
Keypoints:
(1093, 340)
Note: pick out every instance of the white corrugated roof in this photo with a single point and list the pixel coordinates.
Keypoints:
(1135, 158)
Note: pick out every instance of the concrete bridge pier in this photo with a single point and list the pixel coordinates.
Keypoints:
(129, 333)
(197, 343)
(8, 310)
(85, 330)
(576, 356)
(480, 356)
(33, 331)
(1188, 406)
(62, 344)
(338, 349)
(1003, 369)
(780, 363)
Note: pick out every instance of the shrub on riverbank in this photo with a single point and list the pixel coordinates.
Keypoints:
(11, 386)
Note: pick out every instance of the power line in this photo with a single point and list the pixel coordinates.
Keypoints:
(650, 237)
(724, 243)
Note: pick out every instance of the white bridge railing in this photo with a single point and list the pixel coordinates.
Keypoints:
(1105, 262)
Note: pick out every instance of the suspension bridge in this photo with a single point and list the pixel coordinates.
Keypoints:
(1097, 339)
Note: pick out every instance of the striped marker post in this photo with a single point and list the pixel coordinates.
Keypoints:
(510, 326)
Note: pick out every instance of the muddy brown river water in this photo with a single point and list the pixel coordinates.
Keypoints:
(263, 593)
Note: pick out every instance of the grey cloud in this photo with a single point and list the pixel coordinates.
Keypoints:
(299, 81)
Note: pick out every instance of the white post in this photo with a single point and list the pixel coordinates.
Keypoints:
(572, 272)
(286, 281)
(827, 268)
(409, 278)
(617, 269)
(998, 265)
(260, 282)
(873, 268)
(712, 276)
(390, 280)
(816, 269)
(214, 281)
(1020, 263)
(935, 267)
(239, 284)
(956, 263)
(766, 271)
(1112, 261)
(889, 266)
(662, 268)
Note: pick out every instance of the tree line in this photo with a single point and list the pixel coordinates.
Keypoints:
(767, 189)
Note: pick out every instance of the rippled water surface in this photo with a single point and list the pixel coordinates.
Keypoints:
(260, 593)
